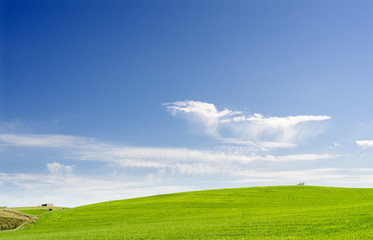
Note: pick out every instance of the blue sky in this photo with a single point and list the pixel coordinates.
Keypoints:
(103, 100)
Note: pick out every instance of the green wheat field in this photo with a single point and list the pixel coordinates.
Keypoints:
(283, 212)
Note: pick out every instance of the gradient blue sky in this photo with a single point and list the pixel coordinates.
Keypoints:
(103, 100)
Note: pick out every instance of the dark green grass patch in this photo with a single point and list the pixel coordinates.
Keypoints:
(289, 212)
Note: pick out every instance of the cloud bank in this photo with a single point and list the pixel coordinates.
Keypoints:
(83, 149)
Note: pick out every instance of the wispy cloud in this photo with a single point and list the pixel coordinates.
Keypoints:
(365, 143)
(202, 113)
(46, 140)
(283, 129)
(56, 168)
(299, 157)
(286, 131)
(261, 145)
(176, 159)
(193, 161)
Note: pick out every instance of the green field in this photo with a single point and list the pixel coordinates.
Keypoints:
(288, 212)
(36, 211)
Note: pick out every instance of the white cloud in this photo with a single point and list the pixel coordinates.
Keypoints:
(46, 140)
(263, 146)
(256, 127)
(56, 168)
(299, 157)
(365, 143)
(283, 129)
(201, 113)
(278, 121)
(131, 156)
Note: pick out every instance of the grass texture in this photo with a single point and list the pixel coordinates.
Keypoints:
(285, 212)
(11, 219)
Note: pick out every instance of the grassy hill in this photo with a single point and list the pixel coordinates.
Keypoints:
(288, 212)
(36, 211)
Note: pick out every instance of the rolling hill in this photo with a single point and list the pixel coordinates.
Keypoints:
(284, 212)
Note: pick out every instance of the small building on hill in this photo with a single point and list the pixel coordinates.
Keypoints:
(47, 205)
(300, 184)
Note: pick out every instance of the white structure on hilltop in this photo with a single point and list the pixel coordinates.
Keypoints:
(47, 205)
